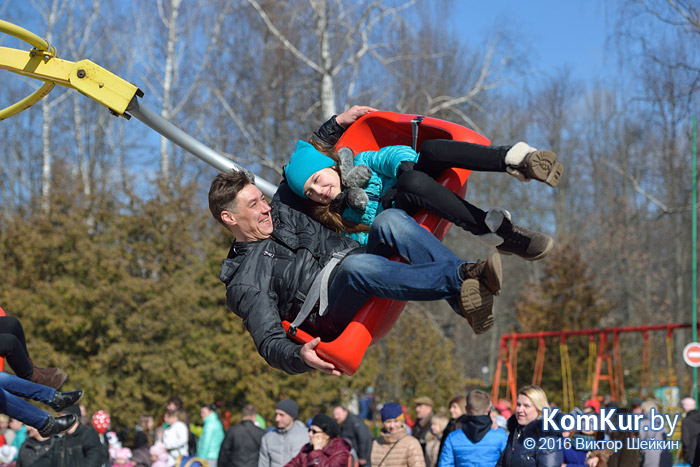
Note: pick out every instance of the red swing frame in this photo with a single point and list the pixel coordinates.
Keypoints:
(370, 133)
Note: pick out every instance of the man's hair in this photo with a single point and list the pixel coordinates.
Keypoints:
(249, 410)
(176, 400)
(478, 402)
(225, 188)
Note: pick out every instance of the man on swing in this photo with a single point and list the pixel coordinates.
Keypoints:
(282, 260)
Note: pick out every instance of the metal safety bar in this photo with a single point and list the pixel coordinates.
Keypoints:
(190, 144)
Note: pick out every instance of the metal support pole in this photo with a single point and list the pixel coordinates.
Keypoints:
(694, 224)
(191, 145)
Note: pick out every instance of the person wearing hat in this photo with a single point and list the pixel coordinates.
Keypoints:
(7, 455)
(395, 447)
(79, 446)
(593, 404)
(325, 448)
(424, 418)
(276, 268)
(282, 444)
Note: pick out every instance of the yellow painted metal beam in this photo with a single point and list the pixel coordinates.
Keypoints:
(34, 65)
(102, 86)
(84, 76)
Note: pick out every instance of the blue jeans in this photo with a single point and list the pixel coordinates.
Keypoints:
(431, 271)
(11, 386)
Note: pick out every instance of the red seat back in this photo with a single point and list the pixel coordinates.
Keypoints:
(376, 318)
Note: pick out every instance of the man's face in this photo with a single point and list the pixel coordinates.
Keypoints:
(340, 414)
(283, 419)
(249, 219)
(423, 410)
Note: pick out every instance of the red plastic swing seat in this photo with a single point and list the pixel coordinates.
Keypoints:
(374, 320)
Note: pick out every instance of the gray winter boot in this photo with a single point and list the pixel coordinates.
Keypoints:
(482, 280)
(525, 163)
(510, 239)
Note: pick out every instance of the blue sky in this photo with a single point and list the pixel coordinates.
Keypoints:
(557, 32)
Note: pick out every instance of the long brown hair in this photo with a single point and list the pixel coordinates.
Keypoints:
(325, 213)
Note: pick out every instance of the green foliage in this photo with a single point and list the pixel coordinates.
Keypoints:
(414, 360)
(568, 297)
(124, 295)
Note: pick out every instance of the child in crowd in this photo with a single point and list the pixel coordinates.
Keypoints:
(159, 455)
(8, 454)
(349, 191)
(122, 457)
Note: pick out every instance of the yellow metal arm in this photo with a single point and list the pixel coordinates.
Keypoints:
(84, 76)
(102, 86)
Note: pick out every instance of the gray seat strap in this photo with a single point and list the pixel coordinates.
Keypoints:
(318, 293)
(414, 129)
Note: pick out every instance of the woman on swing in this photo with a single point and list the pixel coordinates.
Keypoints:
(348, 191)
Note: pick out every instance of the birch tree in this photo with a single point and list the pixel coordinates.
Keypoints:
(176, 53)
(50, 14)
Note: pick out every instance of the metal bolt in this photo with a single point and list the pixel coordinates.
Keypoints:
(102, 85)
(81, 73)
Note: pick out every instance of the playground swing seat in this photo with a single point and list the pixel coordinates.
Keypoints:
(370, 133)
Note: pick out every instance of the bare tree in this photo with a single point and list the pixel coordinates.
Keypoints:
(177, 53)
(51, 14)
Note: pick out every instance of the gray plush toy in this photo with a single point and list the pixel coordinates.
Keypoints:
(354, 179)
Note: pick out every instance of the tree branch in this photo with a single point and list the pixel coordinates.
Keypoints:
(288, 45)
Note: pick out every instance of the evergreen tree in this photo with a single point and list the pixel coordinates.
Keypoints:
(568, 297)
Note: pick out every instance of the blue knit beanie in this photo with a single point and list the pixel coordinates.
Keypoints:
(305, 162)
(391, 410)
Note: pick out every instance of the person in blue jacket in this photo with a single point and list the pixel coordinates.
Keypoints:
(350, 191)
(476, 444)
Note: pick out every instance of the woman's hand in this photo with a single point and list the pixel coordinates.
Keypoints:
(348, 117)
(319, 441)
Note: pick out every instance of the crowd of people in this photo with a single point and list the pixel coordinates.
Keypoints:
(473, 431)
(470, 431)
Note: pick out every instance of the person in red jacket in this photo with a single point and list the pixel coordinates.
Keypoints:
(326, 448)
